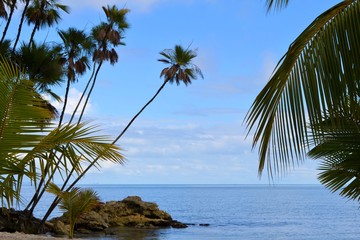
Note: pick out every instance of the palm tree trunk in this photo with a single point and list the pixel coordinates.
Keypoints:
(21, 24)
(33, 34)
(65, 102)
(57, 199)
(83, 94)
(12, 9)
(141, 110)
(41, 189)
(90, 91)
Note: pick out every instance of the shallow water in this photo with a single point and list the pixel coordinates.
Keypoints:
(250, 212)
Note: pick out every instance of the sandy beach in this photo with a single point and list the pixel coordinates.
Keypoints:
(20, 236)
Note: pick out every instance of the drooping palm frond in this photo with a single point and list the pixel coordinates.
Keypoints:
(73, 145)
(339, 152)
(22, 111)
(319, 73)
(28, 143)
(23, 115)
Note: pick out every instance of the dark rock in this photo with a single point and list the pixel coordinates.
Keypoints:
(12, 220)
(177, 224)
(130, 212)
(204, 224)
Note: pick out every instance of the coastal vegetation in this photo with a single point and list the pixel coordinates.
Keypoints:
(39, 142)
(311, 105)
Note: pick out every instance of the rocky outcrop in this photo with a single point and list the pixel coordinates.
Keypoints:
(12, 220)
(130, 212)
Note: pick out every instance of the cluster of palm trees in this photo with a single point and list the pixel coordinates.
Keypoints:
(36, 144)
(311, 105)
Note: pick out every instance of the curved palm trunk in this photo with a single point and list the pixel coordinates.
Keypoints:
(42, 185)
(90, 91)
(83, 94)
(21, 24)
(141, 110)
(33, 34)
(57, 199)
(65, 102)
(12, 9)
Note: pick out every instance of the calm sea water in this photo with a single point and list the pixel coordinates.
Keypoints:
(248, 212)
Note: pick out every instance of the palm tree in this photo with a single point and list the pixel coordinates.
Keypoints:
(320, 73)
(44, 66)
(22, 114)
(44, 13)
(76, 49)
(28, 142)
(107, 33)
(107, 36)
(181, 69)
(74, 203)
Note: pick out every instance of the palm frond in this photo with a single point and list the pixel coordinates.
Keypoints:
(23, 112)
(320, 72)
(279, 4)
(339, 152)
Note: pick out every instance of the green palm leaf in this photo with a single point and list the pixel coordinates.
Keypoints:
(340, 150)
(23, 112)
(319, 73)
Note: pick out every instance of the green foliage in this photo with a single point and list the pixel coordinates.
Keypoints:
(74, 203)
(35, 145)
(181, 68)
(318, 78)
(27, 139)
(339, 151)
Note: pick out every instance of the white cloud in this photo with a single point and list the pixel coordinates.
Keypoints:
(73, 99)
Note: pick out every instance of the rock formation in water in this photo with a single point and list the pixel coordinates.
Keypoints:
(130, 212)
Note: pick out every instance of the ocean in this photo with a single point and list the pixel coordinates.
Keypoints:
(236, 212)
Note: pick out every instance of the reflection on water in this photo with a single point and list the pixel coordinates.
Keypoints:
(126, 233)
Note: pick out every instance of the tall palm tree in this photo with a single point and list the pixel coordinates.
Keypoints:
(319, 74)
(44, 13)
(181, 69)
(77, 47)
(107, 36)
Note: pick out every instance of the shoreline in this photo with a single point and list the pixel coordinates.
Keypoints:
(19, 236)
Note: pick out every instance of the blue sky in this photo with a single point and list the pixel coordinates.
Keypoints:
(191, 134)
